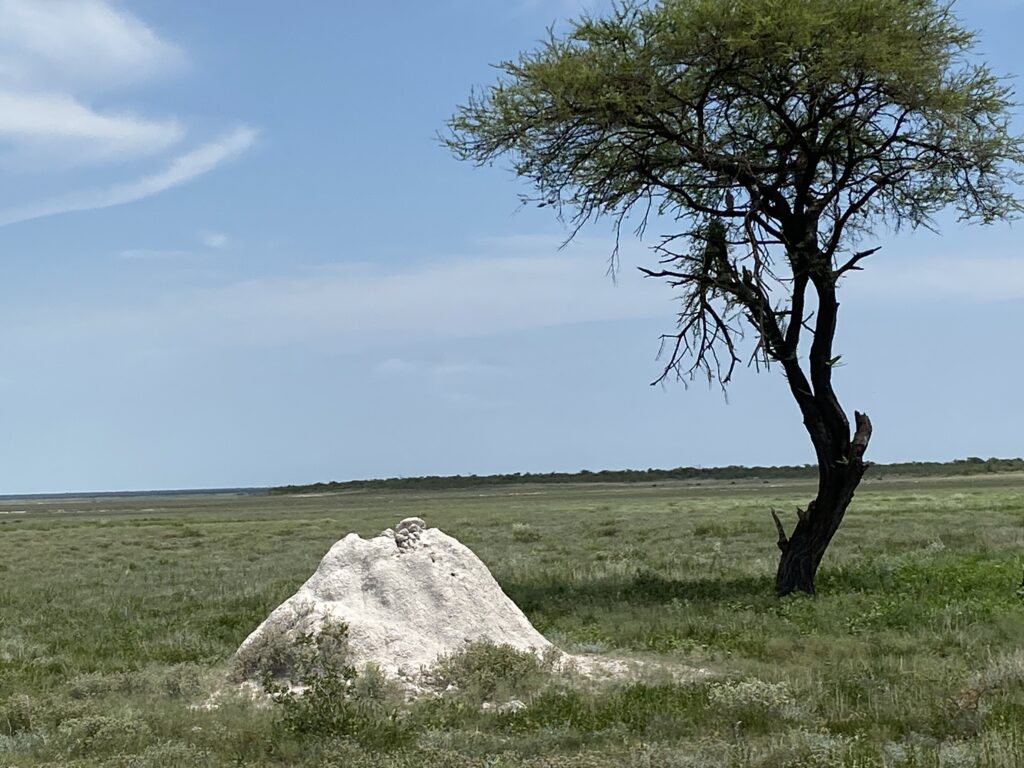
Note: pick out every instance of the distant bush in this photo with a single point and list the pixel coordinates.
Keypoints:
(525, 533)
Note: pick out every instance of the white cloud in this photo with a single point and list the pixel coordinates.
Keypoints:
(56, 58)
(208, 239)
(181, 170)
(53, 53)
(54, 128)
(215, 239)
(78, 45)
(358, 305)
(509, 285)
(466, 297)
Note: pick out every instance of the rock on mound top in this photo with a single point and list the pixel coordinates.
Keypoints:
(408, 596)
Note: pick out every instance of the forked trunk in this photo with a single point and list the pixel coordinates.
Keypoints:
(803, 550)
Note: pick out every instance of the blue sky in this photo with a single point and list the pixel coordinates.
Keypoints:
(233, 254)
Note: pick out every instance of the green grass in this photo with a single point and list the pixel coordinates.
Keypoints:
(117, 616)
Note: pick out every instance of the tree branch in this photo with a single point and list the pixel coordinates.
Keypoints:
(852, 263)
(783, 539)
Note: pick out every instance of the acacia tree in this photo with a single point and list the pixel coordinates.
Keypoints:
(773, 136)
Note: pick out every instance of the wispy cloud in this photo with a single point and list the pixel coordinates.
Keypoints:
(505, 286)
(56, 58)
(76, 45)
(47, 129)
(183, 169)
(54, 54)
(215, 239)
(476, 296)
(461, 297)
(209, 240)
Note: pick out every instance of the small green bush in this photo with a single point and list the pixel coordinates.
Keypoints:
(487, 672)
(176, 681)
(662, 711)
(278, 653)
(525, 533)
(91, 685)
(167, 754)
(329, 699)
(17, 715)
(104, 734)
(747, 700)
(269, 654)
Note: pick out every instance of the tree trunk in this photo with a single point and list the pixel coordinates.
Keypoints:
(837, 481)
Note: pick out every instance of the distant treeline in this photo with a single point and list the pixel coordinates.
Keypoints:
(969, 466)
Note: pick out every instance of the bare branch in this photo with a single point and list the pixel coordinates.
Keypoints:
(852, 263)
(783, 539)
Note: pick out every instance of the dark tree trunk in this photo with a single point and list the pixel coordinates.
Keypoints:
(838, 480)
(840, 455)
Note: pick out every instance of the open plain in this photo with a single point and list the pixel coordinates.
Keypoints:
(119, 617)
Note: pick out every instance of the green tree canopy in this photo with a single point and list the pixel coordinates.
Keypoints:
(772, 136)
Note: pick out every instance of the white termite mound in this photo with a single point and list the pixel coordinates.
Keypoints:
(408, 596)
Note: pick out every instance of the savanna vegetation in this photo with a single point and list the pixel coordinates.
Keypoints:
(972, 465)
(119, 618)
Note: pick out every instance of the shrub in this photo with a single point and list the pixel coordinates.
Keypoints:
(17, 715)
(485, 671)
(104, 734)
(271, 654)
(524, 533)
(659, 711)
(182, 680)
(167, 754)
(177, 681)
(328, 699)
(754, 700)
(277, 652)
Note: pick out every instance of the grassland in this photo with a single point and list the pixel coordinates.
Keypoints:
(117, 616)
